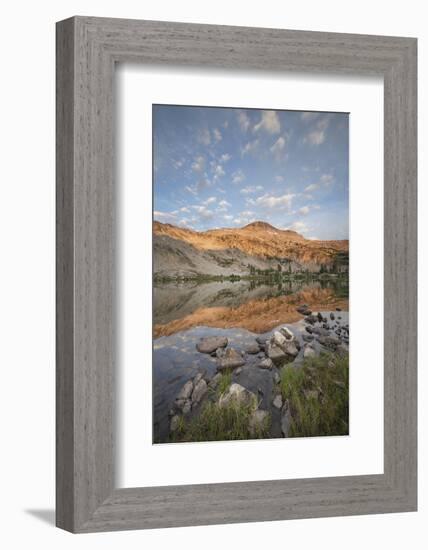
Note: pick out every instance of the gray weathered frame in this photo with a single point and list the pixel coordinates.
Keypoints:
(87, 50)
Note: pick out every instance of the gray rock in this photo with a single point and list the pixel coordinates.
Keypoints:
(252, 348)
(332, 316)
(307, 337)
(275, 353)
(285, 419)
(276, 378)
(309, 351)
(186, 391)
(198, 377)
(279, 339)
(258, 422)
(187, 407)
(329, 341)
(266, 363)
(175, 420)
(321, 331)
(309, 329)
(231, 360)
(277, 402)
(287, 333)
(215, 381)
(238, 371)
(219, 352)
(199, 391)
(211, 344)
(312, 319)
(239, 394)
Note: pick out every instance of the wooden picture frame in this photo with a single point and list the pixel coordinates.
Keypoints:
(87, 50)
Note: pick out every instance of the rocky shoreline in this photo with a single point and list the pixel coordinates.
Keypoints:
(323, 332)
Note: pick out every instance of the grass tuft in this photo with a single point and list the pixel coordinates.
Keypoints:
(318, 396)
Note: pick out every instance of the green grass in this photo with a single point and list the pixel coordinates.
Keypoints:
(214, 423)
(225, 381)
(325, 412)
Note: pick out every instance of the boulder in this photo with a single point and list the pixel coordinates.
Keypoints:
(238, 371)
(321, 331)
(252, 348)
(275, 353)
(258, 422)
(311, 319)
(266, 363)
(187, 407)
(329, 341)
(230, 360)
(276, 377)
(332, 316)
(239, 394)
(199, 391)
(309, 351)
(215, 381)
(287, 333)
(197, 378)
(277, 402)
(307, 337)
(185, 392)
(211, 344)
(279, 339)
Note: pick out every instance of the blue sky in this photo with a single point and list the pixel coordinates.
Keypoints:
(220, 167)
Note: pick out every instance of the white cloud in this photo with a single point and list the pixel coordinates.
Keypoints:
(318, 134)
(316, 137)
(224, 204)
(269, 201)
(238, 176)
(251, 189)
(225, 157)
(304, 210)
(190, 189)
(228, 217)
(204, 137)
(298, 226)
(327, 179)
(199, 164)
(178, 163)
(243, 120)
(203, 211)
(218, 171)
(279, 179)
(308, 116)
(164, 215)
(217, 134)
(269, 122)
(184, 209)
(312, 187)
(210, 200)
(250, 147)
(278, 147)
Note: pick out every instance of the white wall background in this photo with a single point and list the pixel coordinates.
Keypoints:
(27, 272)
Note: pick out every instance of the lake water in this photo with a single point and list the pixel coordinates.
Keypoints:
(241, 310)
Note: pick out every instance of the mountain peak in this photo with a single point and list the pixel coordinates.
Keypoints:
(260, 225)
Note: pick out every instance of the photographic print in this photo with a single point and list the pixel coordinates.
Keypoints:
(250, 274)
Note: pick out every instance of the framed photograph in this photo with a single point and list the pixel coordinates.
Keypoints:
(236, 274)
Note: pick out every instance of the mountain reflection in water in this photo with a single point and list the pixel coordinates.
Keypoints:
(241, 304)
